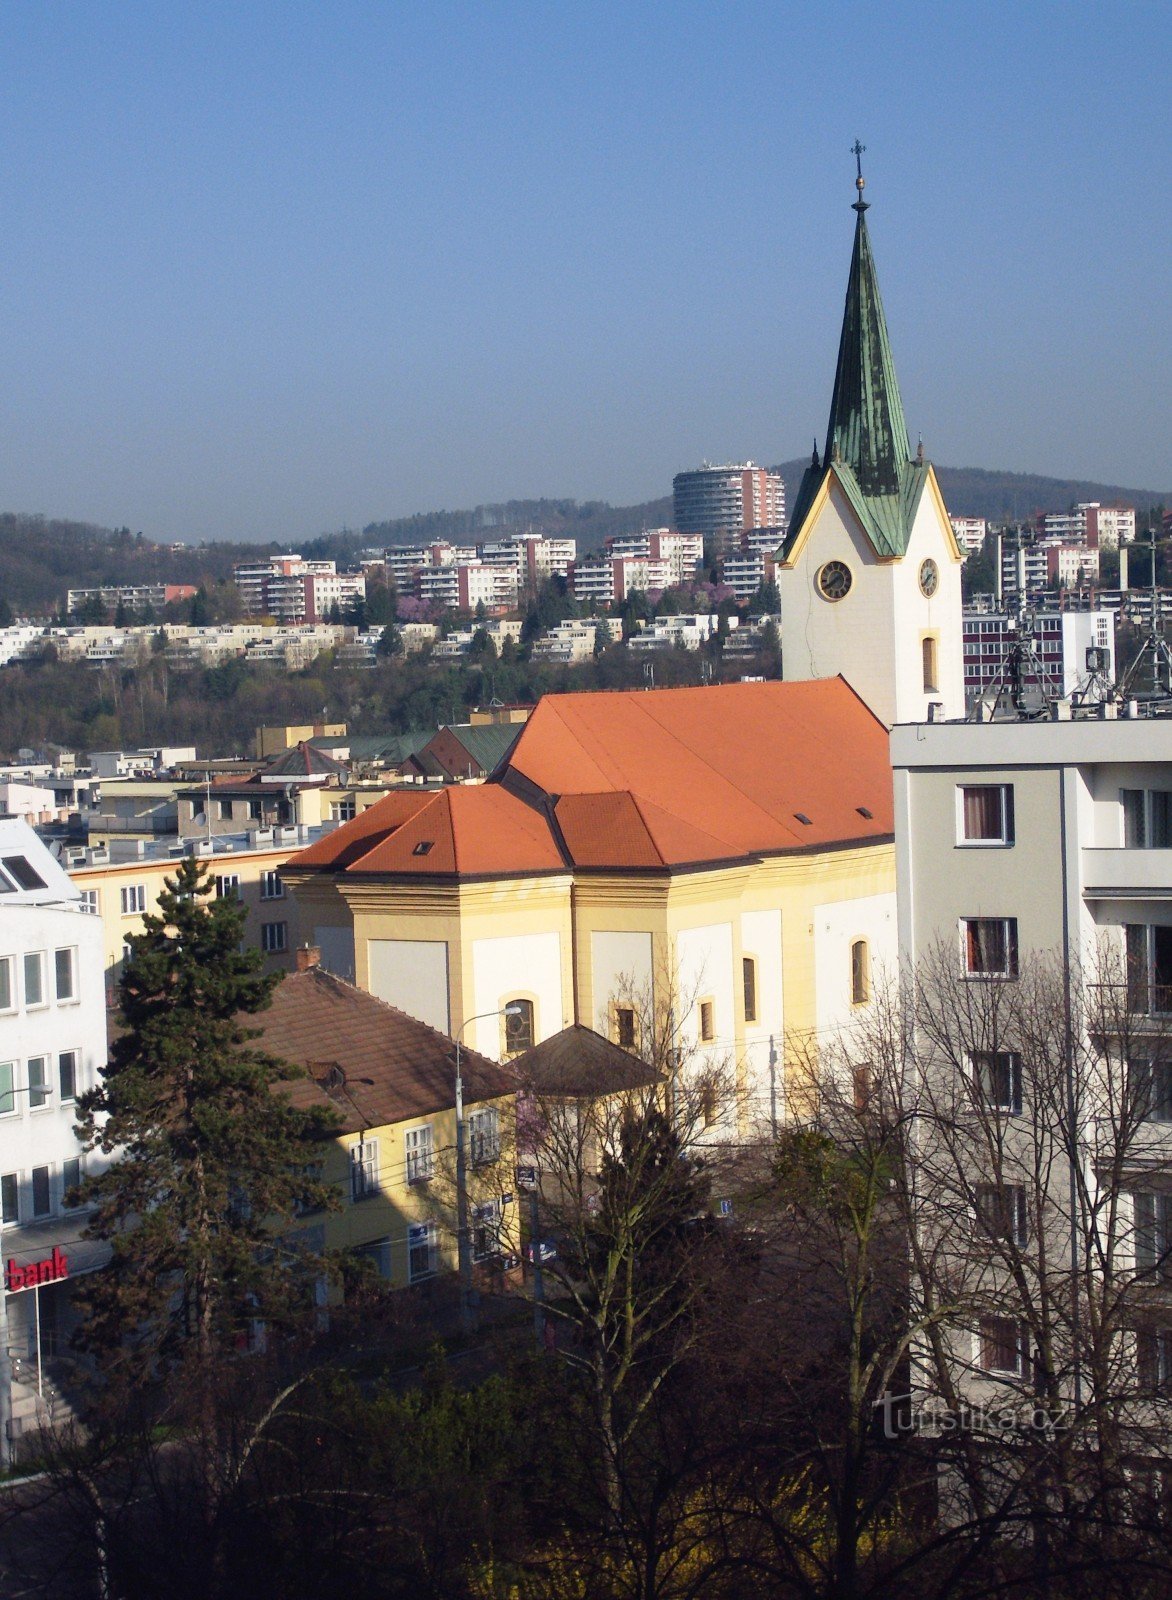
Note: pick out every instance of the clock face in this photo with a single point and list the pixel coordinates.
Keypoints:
(834, 580)
(929, 577)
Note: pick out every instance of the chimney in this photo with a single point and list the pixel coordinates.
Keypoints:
(308, 955)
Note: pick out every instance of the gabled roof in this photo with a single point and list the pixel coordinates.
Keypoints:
(866, 445)
(643, 781)
(324, 1024)
(577, 1062)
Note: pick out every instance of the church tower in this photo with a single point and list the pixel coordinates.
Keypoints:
(869, 575)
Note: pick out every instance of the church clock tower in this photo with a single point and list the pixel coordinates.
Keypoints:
(869, 575)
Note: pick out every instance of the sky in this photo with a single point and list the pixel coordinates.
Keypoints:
(269, 270)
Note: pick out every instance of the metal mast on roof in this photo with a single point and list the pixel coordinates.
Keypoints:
(1154, 656)
(1022, 687)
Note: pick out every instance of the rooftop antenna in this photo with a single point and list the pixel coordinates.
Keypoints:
(1154, 656)
(1022, 686)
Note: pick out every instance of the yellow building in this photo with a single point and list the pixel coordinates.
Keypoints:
(391, 1080)
(720, 858)
(121, 883)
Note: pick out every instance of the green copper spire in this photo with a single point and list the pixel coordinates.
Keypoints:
(866, 442)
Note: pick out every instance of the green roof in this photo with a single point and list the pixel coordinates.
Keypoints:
(866, 436)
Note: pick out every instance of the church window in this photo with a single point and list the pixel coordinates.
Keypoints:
(931, 672)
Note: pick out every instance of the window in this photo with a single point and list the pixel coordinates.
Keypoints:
(225, 807)
(861, 1078)
(63, 965)
(484, 1136)
(42, 1204)
(67, 1074)
(420, 1154)
(228, 886)
(255, 811)
(38, 1081)
(1153, 1359)
(274, 937)
(7, 997)
(931, 671)
(421, 1252)
(990, 946)
(34, 978)
(485, 1230)
(1001, 1212)
(624, 1026)
(518, 1026)
(997, 1078)
(9, 1198)
(1003, 1346)
(364, 1169)
(707, 1021)
(7, 1088)
(342, 810)
(749, 978)
(1147, 819)
(860, 972)
(90, 902)
(133, 896)
(1151, 1088)
(986, 813)
(70, 1178)
(271, 887)
(22, 873)
(1149, 967)
(1153, 1233)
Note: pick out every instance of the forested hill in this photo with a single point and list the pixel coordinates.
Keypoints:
(41, 558)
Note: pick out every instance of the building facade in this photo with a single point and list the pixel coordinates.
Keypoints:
(52, 1047)
(721, 502)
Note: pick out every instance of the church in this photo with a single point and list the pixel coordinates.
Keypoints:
(725, 852)
(869, 574)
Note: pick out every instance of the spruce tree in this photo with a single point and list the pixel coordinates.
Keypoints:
(210, 1161)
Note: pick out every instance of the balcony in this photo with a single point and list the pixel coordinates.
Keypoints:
(1117, 874)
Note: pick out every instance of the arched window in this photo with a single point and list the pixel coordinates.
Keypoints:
(931, 674)
(860, 972)
(518, 1026)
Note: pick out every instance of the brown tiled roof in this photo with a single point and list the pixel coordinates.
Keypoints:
(645, 781)
(321, 1022)
(577, 1062)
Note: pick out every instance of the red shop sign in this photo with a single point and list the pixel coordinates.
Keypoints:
(51, 1270)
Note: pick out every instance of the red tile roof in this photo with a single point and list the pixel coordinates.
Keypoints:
(645, 780)
(320, 1022)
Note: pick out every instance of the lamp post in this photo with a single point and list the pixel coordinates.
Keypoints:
(463, 1242)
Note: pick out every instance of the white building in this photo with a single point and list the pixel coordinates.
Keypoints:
(52, 1045)
(1019, 843)
(970, 533)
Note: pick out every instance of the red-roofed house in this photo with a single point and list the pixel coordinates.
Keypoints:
(727, 847)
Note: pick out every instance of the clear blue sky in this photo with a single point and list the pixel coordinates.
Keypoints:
(269, 269)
